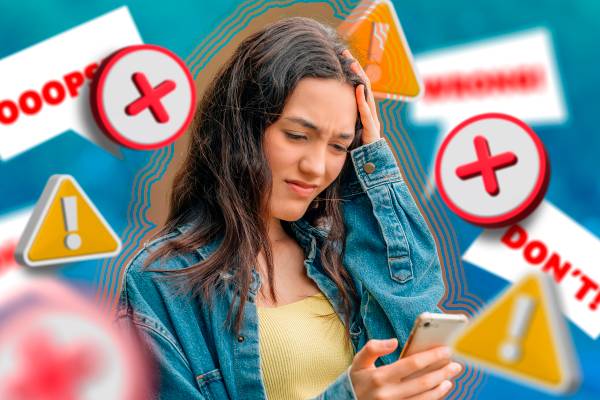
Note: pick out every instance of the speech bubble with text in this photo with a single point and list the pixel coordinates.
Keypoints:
(515, 74)
(550, 241)
(44, 89)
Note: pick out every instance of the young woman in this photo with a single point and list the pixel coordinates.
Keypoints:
(293, 247)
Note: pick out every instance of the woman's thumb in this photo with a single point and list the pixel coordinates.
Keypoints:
(371, 351)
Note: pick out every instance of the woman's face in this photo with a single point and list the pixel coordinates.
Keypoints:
(307, 146)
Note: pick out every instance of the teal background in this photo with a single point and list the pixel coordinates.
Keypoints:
(180, 26)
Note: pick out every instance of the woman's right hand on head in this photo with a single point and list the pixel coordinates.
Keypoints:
(398, 380)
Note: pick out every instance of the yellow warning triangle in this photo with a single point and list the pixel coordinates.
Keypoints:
(522, 336)
(65, 226)
(377, 40)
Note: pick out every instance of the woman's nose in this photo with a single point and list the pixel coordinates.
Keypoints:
(314, 161)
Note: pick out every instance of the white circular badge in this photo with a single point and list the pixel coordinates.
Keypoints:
(492, 170)
(143, 97)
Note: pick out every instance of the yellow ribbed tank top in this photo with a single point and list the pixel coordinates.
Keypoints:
(301, 353)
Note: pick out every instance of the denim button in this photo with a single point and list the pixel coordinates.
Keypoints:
(403, 275)
(240, 338)
(369, 167)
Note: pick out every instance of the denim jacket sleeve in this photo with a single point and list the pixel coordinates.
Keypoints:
(137, 313)
(389, 248)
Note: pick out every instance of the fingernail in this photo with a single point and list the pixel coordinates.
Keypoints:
(455, 368)
(446, 352)
(445, 386)
(389, 343)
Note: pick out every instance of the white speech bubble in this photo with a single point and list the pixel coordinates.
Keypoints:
(550, 241)
(42, 94)
(514, 74)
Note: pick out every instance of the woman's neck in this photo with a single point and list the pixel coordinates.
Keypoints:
(276, 232)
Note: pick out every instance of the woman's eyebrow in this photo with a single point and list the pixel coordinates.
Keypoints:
(309, 125)
(304, 122)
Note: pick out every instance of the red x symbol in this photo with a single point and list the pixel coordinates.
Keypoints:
(50, 372)
(486, 165)
(150, 97)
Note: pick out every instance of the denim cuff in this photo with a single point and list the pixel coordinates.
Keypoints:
(374, 164)
(350, 383)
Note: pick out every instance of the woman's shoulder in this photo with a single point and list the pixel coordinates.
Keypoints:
(145, 261)
(139, 263)
(145, 279)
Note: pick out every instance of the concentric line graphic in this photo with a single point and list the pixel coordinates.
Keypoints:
(458, 296)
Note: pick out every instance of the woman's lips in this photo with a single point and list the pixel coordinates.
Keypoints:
(301, 190)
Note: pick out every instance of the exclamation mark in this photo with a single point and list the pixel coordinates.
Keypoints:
(379, 33)
(511, 349)
(69, 206)
(595, 302)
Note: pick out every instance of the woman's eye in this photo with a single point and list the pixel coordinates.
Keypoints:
(294, 136)
(339, 148)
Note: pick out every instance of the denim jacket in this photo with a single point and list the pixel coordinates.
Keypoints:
(390, 255)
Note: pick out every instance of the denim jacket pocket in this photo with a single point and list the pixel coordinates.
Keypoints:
(211, 385)
(388, 215)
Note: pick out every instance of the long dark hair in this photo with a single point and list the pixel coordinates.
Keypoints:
(224, 185)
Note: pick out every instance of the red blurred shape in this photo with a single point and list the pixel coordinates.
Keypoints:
(7, 255)
(52, 372)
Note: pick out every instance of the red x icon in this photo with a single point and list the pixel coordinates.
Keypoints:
(61, 347)
(153, 110)
(486, 165)
(511, 161)
(55, 376)
(151, 97)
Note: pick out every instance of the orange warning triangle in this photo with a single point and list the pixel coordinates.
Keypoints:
(377, 41)
(522, 336)
(65, 226)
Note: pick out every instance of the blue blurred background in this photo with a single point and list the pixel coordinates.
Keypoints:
(428, 25)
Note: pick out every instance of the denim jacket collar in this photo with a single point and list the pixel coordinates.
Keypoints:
(307, 235)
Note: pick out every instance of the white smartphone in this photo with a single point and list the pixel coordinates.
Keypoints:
(432, 330)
